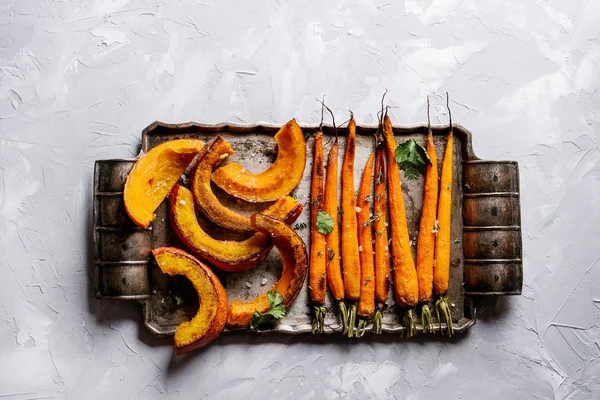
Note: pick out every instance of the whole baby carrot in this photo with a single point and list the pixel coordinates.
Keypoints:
(366, 303)
(350, 253)
(382, 253)
(427, 232)
(406, 285)
(331, 207)
(334, 267)
(317, 280)
(441, 275)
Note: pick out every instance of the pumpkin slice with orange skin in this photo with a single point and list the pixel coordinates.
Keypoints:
(276, 181)
(226, 255)
(154, 175)
(295, 264)
(209, 321)
(286, 208)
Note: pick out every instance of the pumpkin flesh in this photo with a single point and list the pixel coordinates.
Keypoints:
(295, 265)
(226, 255)
(209, 321)
(285, 208)
(276, 181)
(154, 175)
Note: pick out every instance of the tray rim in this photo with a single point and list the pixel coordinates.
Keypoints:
(361, 129)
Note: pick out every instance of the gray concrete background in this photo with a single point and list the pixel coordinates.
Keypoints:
(80, 79)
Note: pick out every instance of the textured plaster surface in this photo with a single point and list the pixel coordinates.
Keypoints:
(80, 79)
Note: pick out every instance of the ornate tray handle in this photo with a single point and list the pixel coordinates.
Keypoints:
(122, 249)
(492, 228)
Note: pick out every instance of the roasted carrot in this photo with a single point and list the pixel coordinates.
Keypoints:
(350, 254)
(441, 274)
(427, 232)
(317, 279)
(334, 268)
(406, 285)
(366, 303)
(382, 253)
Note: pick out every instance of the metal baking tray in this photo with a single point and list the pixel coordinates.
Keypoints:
(486, 229)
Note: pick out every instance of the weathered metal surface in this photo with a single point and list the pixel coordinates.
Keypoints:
(486, 250)
(492, 232)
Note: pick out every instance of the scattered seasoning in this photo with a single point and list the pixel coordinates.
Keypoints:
(300, 225)
(374, 217)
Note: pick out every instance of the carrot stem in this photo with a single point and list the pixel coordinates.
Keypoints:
(318, 323)
(343, 316)
(362, 327)
(377, 322)
(442, 306)
(409, 323)
(352, 321)
(426, 319)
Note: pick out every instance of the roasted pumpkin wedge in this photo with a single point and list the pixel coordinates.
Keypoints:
(286, 208)
(276, 181)
(209, 321)
(295, 264)
(226, 255)
(154, 175)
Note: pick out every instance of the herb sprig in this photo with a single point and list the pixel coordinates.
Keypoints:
(275, 312)
(412, 158)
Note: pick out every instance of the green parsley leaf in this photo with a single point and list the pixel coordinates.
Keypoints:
(412, 158)
(324, 223)
(277, 311)
(275, 298)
